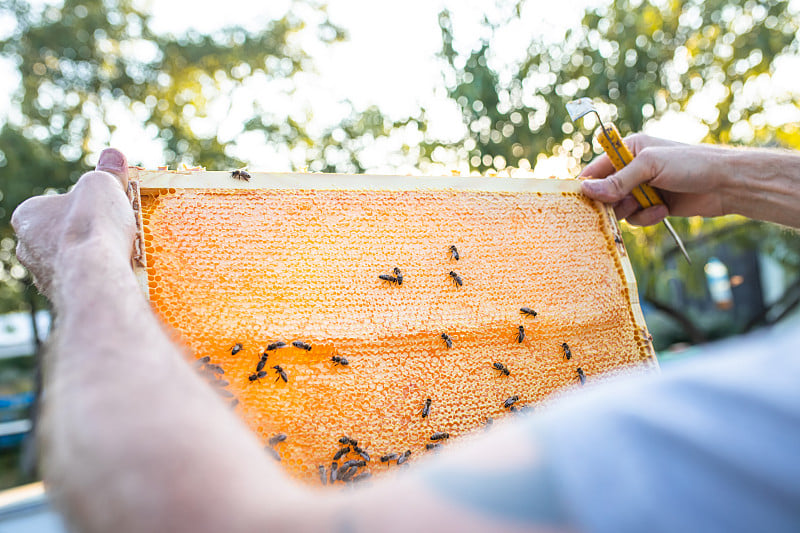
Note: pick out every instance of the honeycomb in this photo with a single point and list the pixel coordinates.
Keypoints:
(233, 270)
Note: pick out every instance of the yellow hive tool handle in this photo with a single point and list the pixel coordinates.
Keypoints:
(611, 141)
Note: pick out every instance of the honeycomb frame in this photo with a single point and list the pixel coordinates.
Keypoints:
(395, 361)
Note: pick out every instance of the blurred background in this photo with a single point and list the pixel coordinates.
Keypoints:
(417, 87)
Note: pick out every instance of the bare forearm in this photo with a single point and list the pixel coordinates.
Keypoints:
(120, 402)
(765, 185)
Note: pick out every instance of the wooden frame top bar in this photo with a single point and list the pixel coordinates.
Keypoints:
(172, 179)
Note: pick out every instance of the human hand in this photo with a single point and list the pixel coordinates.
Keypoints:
(96, 212)
(689, 178)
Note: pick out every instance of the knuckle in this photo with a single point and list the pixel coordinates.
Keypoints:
(616, 185)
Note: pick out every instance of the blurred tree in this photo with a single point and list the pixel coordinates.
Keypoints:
(712, 59)
(88, 66)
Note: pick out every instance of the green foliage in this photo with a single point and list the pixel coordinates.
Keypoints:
(643, 58)
(88, 66)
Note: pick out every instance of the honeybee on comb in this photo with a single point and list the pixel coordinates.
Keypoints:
(257, 375)
(275, 346)
(240, 174)
(388, 277)
(281, 374)
(339, 360)
(528, 311)
(403, 458)
(567, 351)
(510, 401)
(426, 409)
(447, 340)
(454, 252)
(502, 368)
(456, 278)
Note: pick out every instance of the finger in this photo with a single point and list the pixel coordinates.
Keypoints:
(114, 162)
(616, 186)
(599, 168)
(649, 216)
(626, 207)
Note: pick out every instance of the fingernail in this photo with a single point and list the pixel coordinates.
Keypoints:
(112, 160)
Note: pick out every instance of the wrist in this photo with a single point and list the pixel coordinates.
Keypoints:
(763, 185)
(91, 268)
(730, 179)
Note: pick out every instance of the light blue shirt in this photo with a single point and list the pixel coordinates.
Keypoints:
(707, 445)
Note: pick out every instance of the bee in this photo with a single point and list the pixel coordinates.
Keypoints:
(302, 345)
(214, 369)
(520, 333)
(272, 452)
(202, 361)
(439, 435)
(342, 451)
(432, 446)
(262, 362)
(219, 383)
(276, 439)
(361, 452)
(281, 374)
(398, 275)
(344, 440)
(387, 277)
(257, 375)
(240, 174)
(513, 408)
(617, 239)
(456, 278)
(454, 252)
(489, 422)
(334, 471)
(403, 458)
(526, 408)
(225, 393)
(581, 375)
(510, 401)
(502, 368)
(275, 346)
(358, 463)
(234, 403)
(426, 410)
(361, 477)
(567, 352)
(346, 473)
(236, 348)
(339, 360)
(322, 477)
(447, 340)
(527, 311)
(389, 457)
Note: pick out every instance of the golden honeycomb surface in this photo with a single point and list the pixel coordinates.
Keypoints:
(253, 267)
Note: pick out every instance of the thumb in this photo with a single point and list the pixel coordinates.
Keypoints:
(618, 185)
(114, 162)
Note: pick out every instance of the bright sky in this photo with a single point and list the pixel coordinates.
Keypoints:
(388, 61)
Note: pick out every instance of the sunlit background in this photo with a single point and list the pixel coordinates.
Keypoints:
(414, 87)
